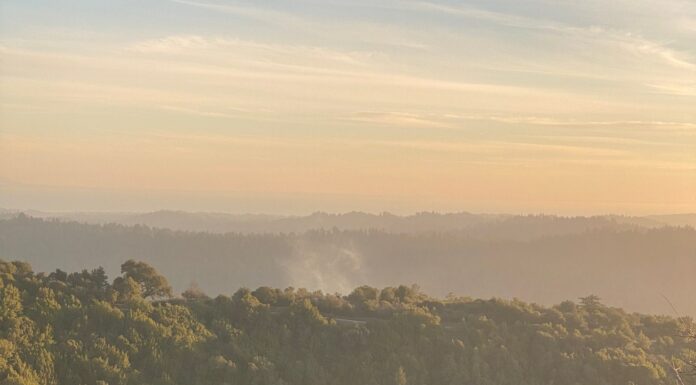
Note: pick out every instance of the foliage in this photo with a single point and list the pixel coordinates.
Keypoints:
(79, 328)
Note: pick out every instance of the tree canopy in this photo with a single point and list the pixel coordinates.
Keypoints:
(81, 328)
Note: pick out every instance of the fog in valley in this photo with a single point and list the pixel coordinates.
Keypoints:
(642, 264)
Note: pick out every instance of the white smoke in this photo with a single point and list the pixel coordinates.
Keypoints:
(329, 267)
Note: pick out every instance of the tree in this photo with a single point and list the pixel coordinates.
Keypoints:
(591, 302)
(194, 293)
(152, 284)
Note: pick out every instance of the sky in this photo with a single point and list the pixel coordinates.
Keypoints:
(568, 107)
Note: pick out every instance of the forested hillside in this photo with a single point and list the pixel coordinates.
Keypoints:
(634, 269)
(82, 328)
(484, 226)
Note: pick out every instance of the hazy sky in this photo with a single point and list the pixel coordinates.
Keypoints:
(295, 106)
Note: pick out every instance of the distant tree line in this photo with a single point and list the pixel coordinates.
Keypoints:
(81, 328)
(628, 268)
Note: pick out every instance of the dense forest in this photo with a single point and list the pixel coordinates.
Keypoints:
(632, 268)
(82, 328)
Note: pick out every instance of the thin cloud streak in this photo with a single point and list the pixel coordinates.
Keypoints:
(628, 40)
(254, 12)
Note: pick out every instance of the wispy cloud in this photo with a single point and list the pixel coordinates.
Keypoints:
(229, 61)
(400, 119)
(449, 120)
(499, 18)
(652, 48)
(687, 89)
(171, 44)
(220, 46)
(255, 11)
(630, 41)
(198, 112)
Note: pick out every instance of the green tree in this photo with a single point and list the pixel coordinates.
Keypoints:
(152, 284)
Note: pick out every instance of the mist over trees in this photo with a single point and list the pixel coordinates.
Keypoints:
(633, 267)
(82, 328)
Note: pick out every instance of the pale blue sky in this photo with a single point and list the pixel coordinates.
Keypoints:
(296, 106)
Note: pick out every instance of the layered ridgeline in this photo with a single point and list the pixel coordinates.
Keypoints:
(494, 226)
(636, 268)
(82, 328)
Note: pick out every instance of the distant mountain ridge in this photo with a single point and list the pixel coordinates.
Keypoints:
(478, 225)
(545, 260)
